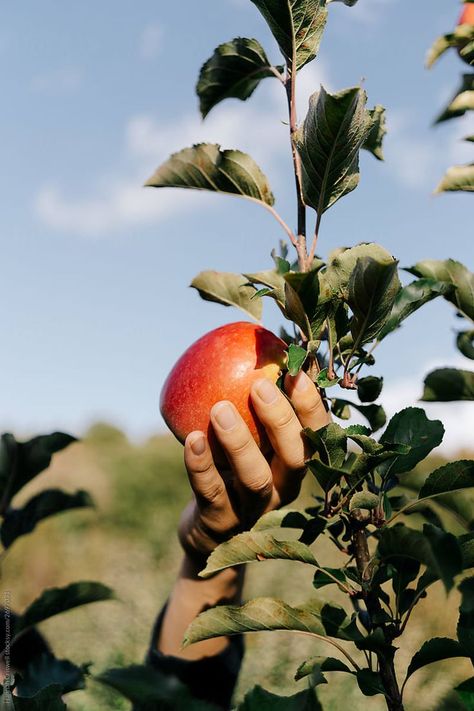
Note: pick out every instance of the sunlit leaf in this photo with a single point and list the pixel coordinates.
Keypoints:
(454, 273)
(330, 443)
(206, 167)
(462, 101)
(459, 178)
(228, 289)
(296, 359)
(281, 518)
(234, 71)
(377, 132)
(461, 35)
(297, 26)
(451, 477)
(341, 266)
(255, 546)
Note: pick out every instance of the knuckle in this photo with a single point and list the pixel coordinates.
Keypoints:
(262, 488)
(212, 493)
(284, 419)
(240, 445)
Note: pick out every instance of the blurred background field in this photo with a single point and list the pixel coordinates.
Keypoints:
(129, 543)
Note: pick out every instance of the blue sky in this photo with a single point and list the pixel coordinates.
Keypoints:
(96, 307)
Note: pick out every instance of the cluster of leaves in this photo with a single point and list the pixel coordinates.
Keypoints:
(42, 683)
(459, 177)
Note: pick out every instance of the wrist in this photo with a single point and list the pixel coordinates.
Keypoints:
(224, 587)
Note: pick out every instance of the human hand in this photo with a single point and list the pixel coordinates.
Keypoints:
(228, 501)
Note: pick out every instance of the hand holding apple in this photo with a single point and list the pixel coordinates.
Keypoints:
(228, 501)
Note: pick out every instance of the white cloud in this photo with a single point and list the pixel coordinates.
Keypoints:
(257, 128)
(59, 81)
(151, 42)
(369, 12)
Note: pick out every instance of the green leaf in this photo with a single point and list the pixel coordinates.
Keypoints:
(274, 281)
(328, 576)
(260, 700)
(48, 699)
(374, 414)
(437, 550)
(228, 289)
(316, 666)
(264, 614)
(459, 178)
(297, 26)
(330, 443)
(20, 462)
(364, 500)
(465, 343)
(296, 358)
(206, 167)
(19, 522)
(234, 71)
(451, 477)
(462, 101)
(45, 670)
(151, 690)
(412, 427)
(453, 273)
(342, 264)
(329, 141)
(435, 650)
(465, 691)
(377, 132)
(53, 601)
(412, 297)
(370, 682)
(255, 546)
(369, 388)
(373, 287)
(326, 476)
(465, 628)
(461, 35)
(448, 385)
(281, 518)
(323, 380)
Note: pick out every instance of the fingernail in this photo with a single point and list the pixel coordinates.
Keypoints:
(266, 391)
(224, 415)
(198, 444)
(301, 381)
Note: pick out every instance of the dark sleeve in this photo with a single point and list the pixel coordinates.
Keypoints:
(210, 679)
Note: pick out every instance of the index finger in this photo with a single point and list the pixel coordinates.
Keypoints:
(305, 397)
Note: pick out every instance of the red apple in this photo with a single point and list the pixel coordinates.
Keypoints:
(222, 365)
(467, 15)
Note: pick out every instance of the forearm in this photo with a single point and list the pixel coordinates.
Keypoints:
(189, 597)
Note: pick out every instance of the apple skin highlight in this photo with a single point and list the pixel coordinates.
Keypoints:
(221, 365)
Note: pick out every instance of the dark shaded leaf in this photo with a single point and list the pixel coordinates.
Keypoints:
(370, 682)
(461, 35)
(151, 690)
(48, 699)
(45, 670)
(206, 167)
(323, 380)
(235, 70)
(437, 550)
(465, 691)
(321, 578)
(329, 141)
(281, 518)
(412, 297)
(369, 388)
(229, 290)
(326, 476)
(317, 666)
(434, 650)
(465, 628)
(450, 477)
(19, 522)
(297, 26)
(53, 601)
(448, 385)
(373, 287)
(374, 414)
(260, 700)
(330, 443)
(465, 343)
(412, 427)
